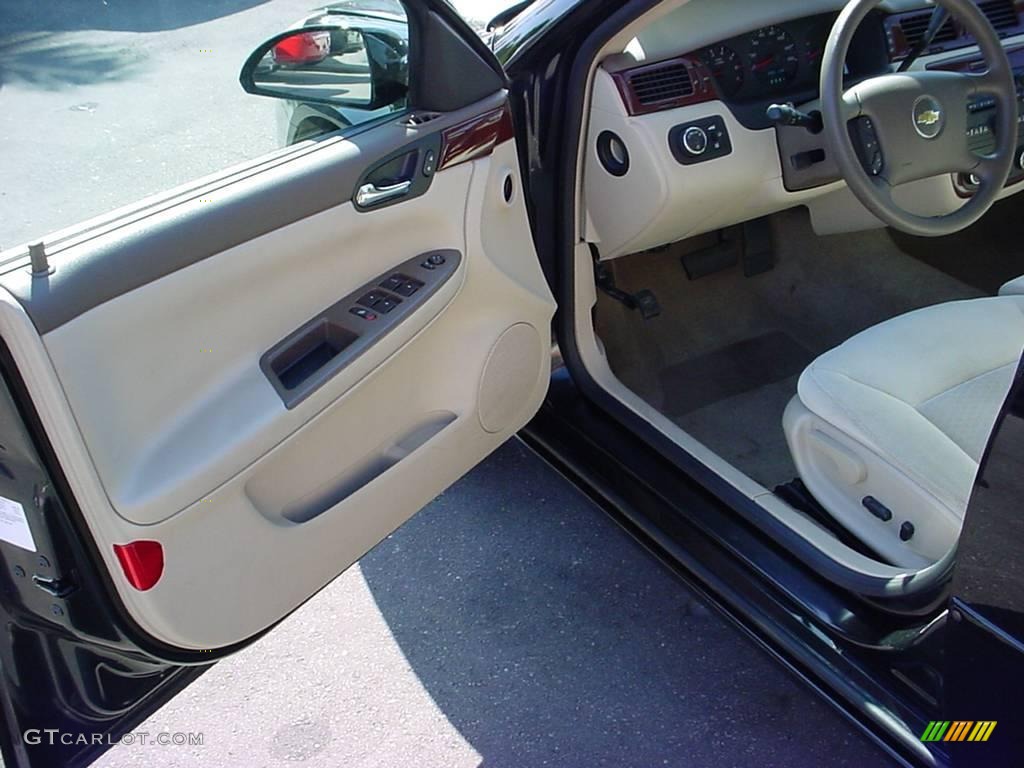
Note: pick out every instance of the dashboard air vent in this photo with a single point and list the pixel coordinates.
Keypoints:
(652, 86)
(1002, 13)
(914, 26)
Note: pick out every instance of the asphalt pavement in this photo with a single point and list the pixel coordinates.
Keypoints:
(510, 623)
(104, 103)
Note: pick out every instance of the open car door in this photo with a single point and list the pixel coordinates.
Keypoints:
(984, 653)
(216, 401)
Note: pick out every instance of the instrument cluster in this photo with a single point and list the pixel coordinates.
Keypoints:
(786, 58)
(770, 60)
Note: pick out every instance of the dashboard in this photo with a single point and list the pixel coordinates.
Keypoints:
(680, 141)
(778, 62)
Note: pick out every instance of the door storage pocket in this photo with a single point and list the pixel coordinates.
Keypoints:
(304, 481)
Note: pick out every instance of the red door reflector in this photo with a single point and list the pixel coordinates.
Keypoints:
(142, 562)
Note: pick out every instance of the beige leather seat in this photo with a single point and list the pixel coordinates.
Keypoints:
(901, 413)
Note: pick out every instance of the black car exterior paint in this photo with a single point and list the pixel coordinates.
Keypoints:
(984, 665)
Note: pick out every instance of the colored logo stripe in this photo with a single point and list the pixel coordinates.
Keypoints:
(982, 730)
(958, 730)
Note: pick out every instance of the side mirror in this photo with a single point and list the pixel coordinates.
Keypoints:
(354, 61)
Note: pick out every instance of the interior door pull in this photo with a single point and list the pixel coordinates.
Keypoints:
(371, 194)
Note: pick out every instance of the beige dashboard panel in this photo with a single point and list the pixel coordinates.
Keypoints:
(660, 201)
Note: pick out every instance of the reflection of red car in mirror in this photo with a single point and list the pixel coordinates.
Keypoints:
(362, 42)
(302, 48)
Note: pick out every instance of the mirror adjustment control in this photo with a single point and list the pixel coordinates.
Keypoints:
(433, 261)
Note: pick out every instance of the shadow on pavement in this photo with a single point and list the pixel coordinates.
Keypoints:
(544, 633)
(38, 60)
(116, 15)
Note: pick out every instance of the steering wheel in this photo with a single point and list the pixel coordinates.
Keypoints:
(905, 126)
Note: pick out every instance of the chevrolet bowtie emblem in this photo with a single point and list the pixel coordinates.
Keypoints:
(928, 117)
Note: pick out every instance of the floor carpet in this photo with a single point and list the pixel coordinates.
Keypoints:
(723, 358)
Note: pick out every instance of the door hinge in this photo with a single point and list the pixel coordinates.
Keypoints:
(60, 587)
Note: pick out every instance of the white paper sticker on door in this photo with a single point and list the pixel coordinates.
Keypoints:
(13, 525)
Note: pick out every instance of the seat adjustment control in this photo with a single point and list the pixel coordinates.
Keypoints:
(877, 508)
(906, 531)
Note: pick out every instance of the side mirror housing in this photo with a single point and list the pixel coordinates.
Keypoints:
(353, 61)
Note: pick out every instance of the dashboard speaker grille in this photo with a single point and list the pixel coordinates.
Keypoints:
(671, 81)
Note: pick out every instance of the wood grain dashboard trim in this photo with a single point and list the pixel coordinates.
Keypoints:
(476, 137)
(700, 77)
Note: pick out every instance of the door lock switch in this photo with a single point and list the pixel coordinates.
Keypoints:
(363, 313)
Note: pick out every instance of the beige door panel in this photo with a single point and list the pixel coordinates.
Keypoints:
(168, 430)
(179, 404)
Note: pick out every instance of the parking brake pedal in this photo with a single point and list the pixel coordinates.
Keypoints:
(643, 300)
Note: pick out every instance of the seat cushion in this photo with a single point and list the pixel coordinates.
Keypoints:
(1013, 288)
(923, 390)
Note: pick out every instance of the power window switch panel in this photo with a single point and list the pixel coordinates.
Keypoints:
(372, 298)
(409, 287)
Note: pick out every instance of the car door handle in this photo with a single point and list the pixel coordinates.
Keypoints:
(371, 194)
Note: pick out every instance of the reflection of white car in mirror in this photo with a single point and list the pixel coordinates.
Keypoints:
(343, 64)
